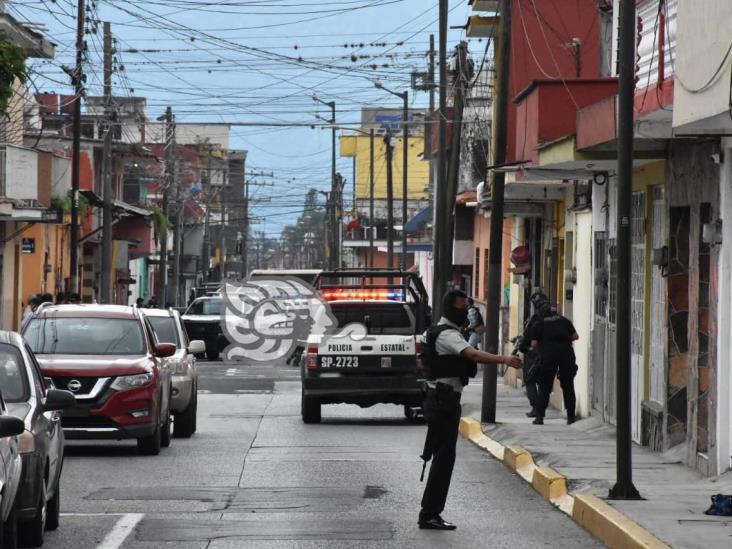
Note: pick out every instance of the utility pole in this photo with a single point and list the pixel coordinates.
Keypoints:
(334, 255)
(624, 488)
(431, 90)
(177, 222)
(371, 199)
(442, 263)
(389, 201)
(107, 195)
(78, 81)
(405, 180)
(222, 250)
(169, 158)
(462, 76)
(500, 140)
(245, 231)
(206, 253)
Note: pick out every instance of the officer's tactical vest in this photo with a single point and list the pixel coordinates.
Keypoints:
(436, 366)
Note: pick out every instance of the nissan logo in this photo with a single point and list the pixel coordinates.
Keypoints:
(73, 385)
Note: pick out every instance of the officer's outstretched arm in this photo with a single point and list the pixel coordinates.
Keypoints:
(479, 357)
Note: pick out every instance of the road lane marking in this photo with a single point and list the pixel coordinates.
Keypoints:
(121, 530)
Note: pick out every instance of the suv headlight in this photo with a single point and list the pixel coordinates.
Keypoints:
(122, 383)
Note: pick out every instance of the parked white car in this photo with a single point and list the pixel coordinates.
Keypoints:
(11, 470)
(167, 326)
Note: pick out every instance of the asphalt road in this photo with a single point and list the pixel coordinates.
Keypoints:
(255, 476)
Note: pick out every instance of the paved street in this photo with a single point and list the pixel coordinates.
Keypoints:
(255, 476)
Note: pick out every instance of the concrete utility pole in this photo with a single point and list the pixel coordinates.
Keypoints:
(405, 177)
(245, 231)
(495, 255)
(222, 249)
(371, 198)
(334, 255)
(624, 488)
(462, 77)
(177, 222)
(206, 252)
(107, 194)
(389, 201)
(78, 81)
(431, 89)
(441, 270)
(169, 161)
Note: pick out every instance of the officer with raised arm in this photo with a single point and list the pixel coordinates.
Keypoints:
(448, 361)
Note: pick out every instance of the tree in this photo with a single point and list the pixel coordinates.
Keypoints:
(12, 67)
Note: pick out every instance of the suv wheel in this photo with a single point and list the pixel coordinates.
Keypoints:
(9, 531)
(30, 532)
(54, 508)
(150, 446)
(309, 409)
(165, 431)
(185, 422)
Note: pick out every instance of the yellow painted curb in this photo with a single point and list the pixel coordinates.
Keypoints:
(549, 483)
(596, 516)
(516, 457)
(611, 526)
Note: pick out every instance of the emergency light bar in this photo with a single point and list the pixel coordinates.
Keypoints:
(363, 295)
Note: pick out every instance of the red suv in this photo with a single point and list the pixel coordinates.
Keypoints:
(108, 358)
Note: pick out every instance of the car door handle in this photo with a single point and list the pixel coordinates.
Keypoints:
(56, 418)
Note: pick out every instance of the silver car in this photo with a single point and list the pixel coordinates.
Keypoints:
(11, 468)
(167, 327)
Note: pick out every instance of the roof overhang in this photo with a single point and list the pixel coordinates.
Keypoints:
(484, 5)
(33, 43)
(481, 26)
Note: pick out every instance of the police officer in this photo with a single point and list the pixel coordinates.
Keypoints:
(531, 377)
(450, 362)
(553, 338)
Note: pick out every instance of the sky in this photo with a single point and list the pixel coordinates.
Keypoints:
(253, 61)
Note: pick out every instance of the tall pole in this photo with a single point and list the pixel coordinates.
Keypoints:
(431, 87)
(78, 82)
(163, 265)
(389, 201)
(371, 198)
(107, 196)
(177, 223)
(441, 269)
(334, 254)
(500, 141)
(245, 235)
(624, 488)
(206, 254)
(453, 164)
(222, 260)
(405, 180)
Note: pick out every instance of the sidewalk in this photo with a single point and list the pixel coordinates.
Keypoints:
(584, 453)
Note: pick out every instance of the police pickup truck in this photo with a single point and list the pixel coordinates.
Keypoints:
(377, 363)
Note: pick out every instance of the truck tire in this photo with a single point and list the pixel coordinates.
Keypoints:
(309, 409)
(212, 354)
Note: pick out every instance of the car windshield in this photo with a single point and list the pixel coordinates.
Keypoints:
(85, 336)
(13, 380)
(206, 307)
(164, 329)
(379, 318)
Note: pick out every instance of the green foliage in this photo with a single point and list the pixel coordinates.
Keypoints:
(12, 66)
(64, 204)
(160, 221)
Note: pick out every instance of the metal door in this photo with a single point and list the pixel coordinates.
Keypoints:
(658, 337)
(637, 308)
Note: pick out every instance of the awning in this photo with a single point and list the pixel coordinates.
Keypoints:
(418, 222)
(119, 206)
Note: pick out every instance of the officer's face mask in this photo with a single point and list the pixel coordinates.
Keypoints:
(456, 315)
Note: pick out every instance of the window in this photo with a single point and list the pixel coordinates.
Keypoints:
(612, 294)
(206, 307)
(476, 290)
(164, 329)
(379, 319)
(85, 336)
(485, 274)
(13, 378)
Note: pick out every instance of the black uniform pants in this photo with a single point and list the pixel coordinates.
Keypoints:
(559, 361)
(442, 412)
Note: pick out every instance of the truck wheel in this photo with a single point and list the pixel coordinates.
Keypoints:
(413, 413)
(212, 354)
(309, 409)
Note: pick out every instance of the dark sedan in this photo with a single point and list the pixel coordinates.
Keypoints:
(41, 445)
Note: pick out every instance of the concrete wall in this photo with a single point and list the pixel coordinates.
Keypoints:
(702, 42)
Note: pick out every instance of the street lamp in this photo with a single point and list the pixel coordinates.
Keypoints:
(405, 161)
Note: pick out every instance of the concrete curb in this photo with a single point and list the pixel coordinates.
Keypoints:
(596, 516)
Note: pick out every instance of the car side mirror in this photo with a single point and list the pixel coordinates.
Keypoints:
(57, 399)
(49, 383)
(163, 350)
(11, 426)
(196, 347)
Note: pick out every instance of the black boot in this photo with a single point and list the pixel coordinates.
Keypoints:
(538, 421)
(531, 413)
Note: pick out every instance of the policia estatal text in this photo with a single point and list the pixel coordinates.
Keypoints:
(449, 361)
